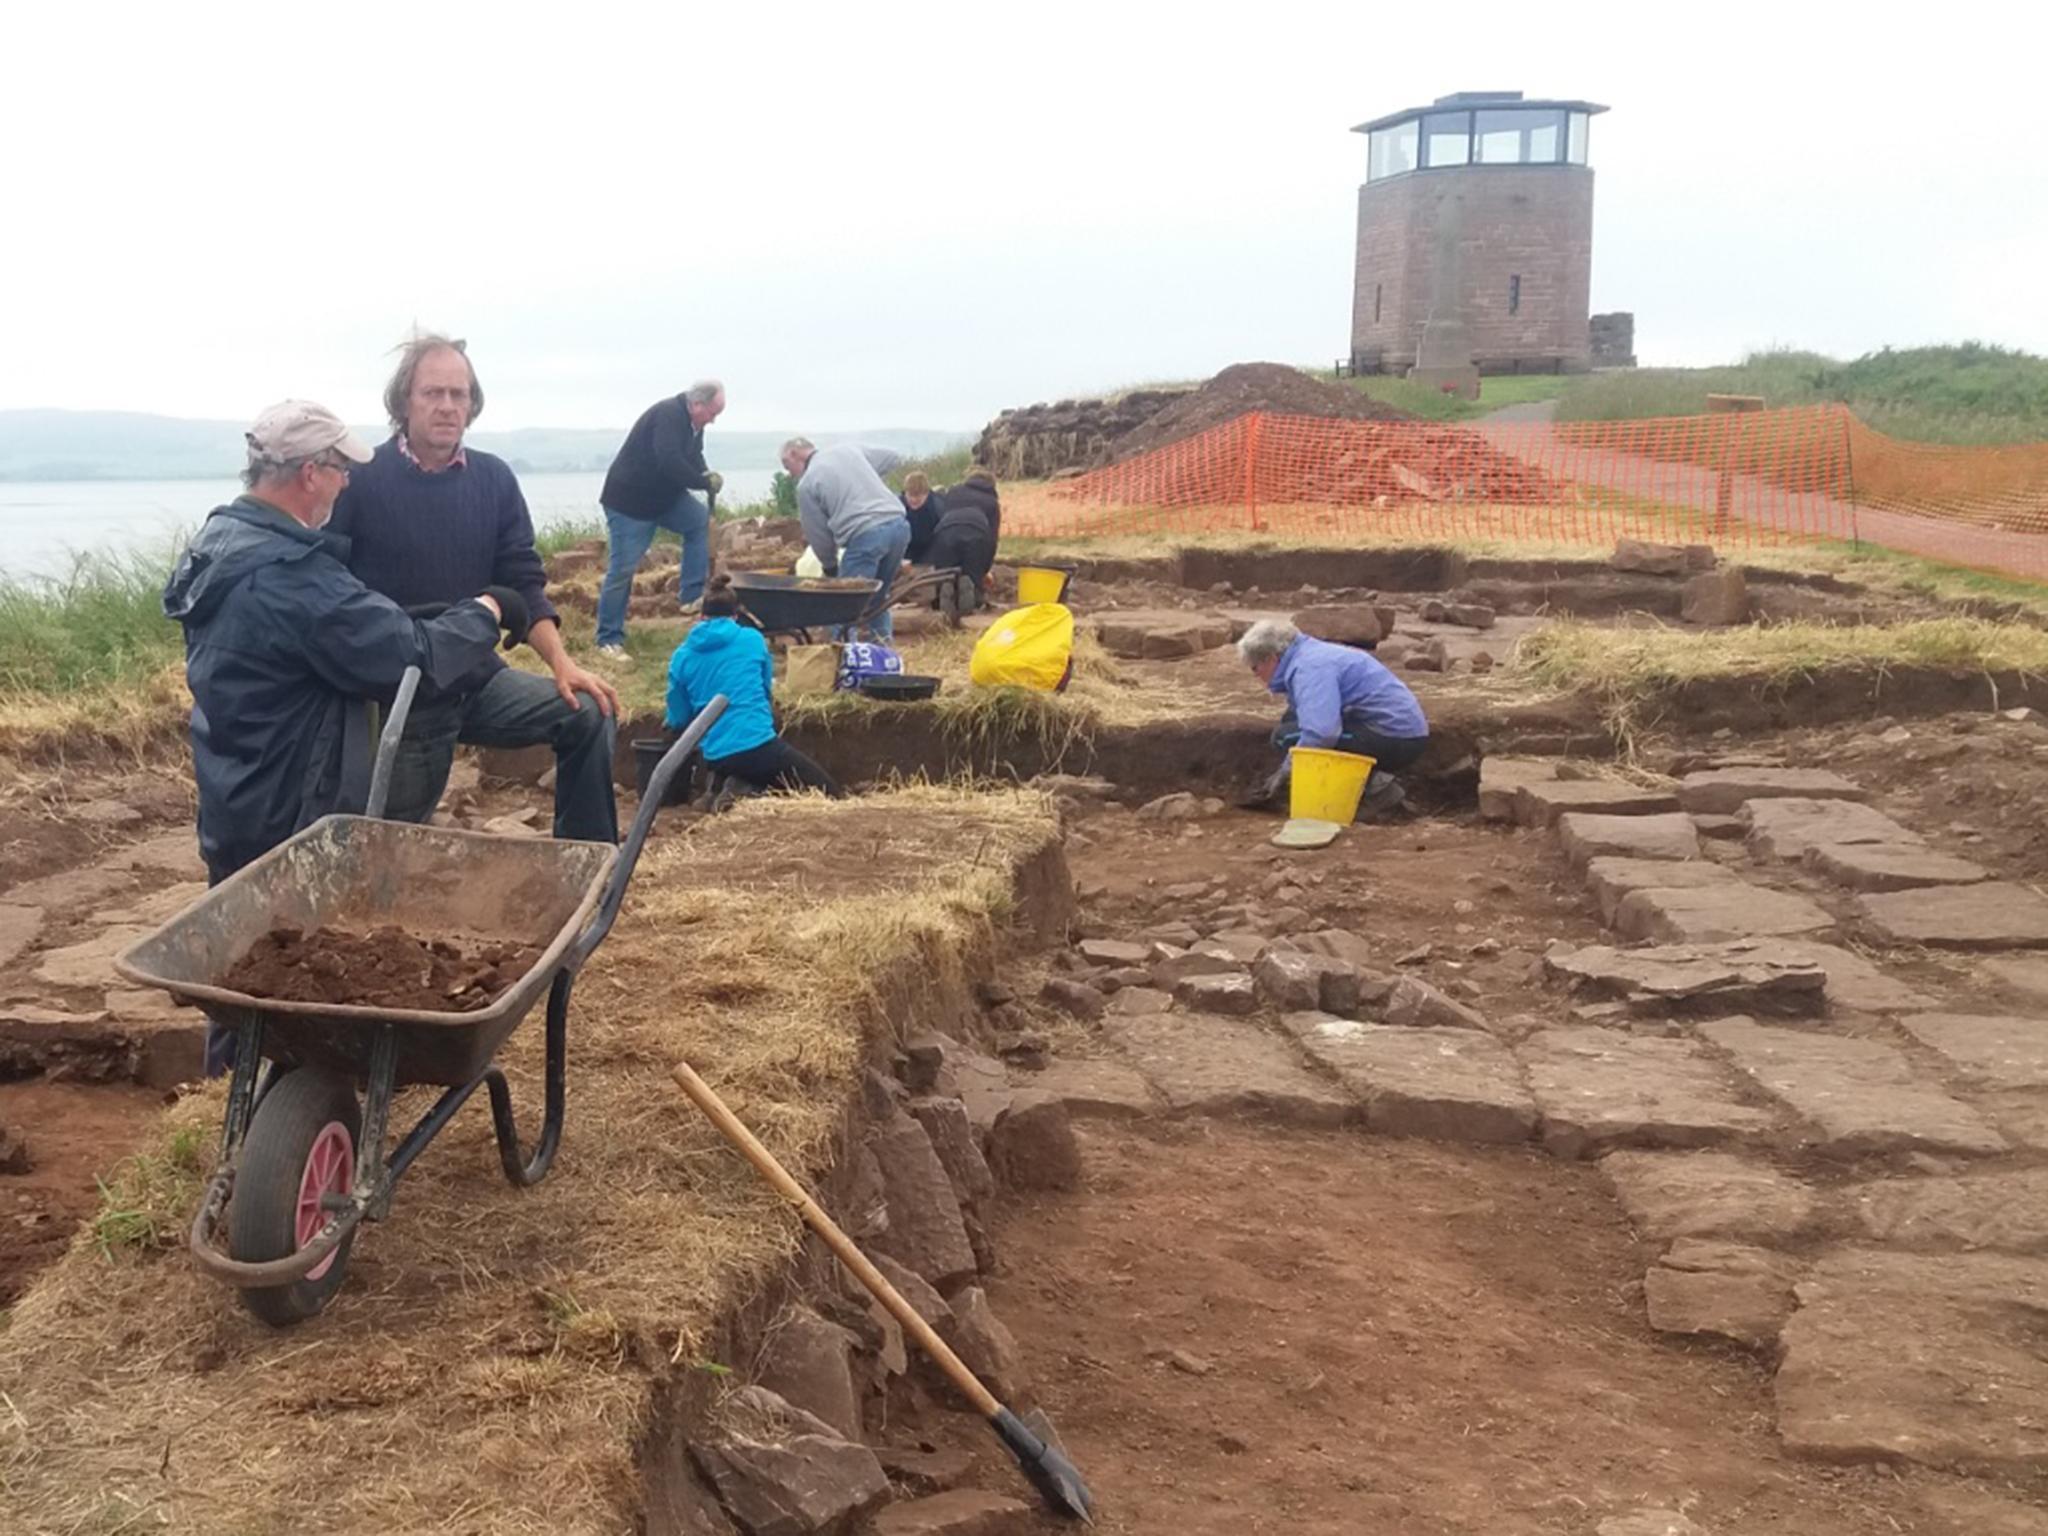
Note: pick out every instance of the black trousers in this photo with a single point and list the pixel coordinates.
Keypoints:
(775, 765)
(964, 549)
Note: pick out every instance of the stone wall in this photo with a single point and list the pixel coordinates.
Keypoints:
(1036, 442)
(1613, 339)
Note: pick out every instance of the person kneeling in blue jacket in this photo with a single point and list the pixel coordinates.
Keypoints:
(1338, 698)
(722, 655)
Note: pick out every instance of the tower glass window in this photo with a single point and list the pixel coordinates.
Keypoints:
(1391, 151)
(1518, 138)
(1576, 152)
(1446, 139)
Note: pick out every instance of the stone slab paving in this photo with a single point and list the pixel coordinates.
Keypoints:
(1212, 1065)
(1501, 780)
(2006, 1210)
(2024, 976)
(1093, 1088)
(1963, 1509)
(1701, 914)
(1721, 1290)
(1785, 829)
(1737, 975)
(1669, 1195)
(1723, 791)
(1598, 1088)
(1993, 915)
(1999, 1050)
(1890, 867)
(1932, 1359)
(1541, 803)
(91, 963)
(1445, 1084)
(1862, 1095)
(1852, 981)
(18, 929)
(1610, 879)
(1668, 836)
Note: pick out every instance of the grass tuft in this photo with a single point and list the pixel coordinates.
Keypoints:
(147, 1200)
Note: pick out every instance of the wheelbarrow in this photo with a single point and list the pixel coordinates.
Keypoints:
(796, 605)
(303, 1160)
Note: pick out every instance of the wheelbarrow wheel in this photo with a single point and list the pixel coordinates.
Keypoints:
(300, 1149)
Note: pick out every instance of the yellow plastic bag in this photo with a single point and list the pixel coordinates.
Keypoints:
(1027, 648)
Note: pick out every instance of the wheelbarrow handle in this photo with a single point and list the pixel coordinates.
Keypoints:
(387, 744)
(658, 782)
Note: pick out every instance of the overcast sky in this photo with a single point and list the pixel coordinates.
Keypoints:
(914, 215)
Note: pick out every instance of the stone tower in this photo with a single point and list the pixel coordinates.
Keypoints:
(1475, 239)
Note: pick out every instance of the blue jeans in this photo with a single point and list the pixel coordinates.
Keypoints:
(689, 520)
(876, 552)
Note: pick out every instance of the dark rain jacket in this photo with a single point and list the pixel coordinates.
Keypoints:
(281, 643)
(971, 496)
(662, 457)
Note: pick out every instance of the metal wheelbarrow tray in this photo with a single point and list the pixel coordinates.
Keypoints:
(302, 1163)
(796, 605)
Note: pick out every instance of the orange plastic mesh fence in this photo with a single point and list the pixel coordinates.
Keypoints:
(1732, 480)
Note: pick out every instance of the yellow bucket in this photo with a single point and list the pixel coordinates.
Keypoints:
(1326, 785)
(1042, 584)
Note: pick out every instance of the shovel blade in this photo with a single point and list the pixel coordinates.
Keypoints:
(1056, 1479)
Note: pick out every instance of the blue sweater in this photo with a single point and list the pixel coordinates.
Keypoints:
(1326, 682)
(724, 656)
(439, 538)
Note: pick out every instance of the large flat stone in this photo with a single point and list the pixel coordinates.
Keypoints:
(2025, 976)
(1964, 1509)
(1598, 1088)
(2005, 1210)
(1668, 836)
(1935, 1360)
(1852, 981)
(1993, 915)
(18, 929)
(1890, 866)
(1721, 1290)
(1160, 635)
(1701, 914)
(1669, 1195)
(1221, 1066)
(1445, 1084)
(1862, 1095)
(1540, 803)
(1723, 791)
(1785, 829)
(1094, 1089)
(1610, 879)
(1501, 780)
(1996, 1049)
(925, 1232)
(91, 963)
(175, 853)
(1733, 975)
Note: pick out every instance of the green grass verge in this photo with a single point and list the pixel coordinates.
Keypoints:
(101, 626)
(1434, 405)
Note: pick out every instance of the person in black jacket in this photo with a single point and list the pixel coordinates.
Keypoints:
(969, 524)
(653, 483)
(282, 643)
(922, 506)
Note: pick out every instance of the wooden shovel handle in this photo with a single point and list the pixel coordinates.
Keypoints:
(842, 1246)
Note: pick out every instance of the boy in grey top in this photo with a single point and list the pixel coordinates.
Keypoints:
(852, 521)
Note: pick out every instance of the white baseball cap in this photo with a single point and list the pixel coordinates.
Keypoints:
(299, 429)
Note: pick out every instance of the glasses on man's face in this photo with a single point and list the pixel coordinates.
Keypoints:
(341, 466)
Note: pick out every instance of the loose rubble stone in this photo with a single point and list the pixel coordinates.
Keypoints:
(1738, 974)
(1541, 803)
(1132, 1002)
(924, 1230)
(18, 929)
(986, 1347)
(1415, 1004)
(1862, 1095)
(1996, 1049)
(1094, 1089)
(90, 963)
(1700, 914)
(1722, 1290)
(1181, 806)
(808, 1361)
(925, 1471)
(1919, 1358)
(958, 1144)
(1501, 780)
(1719, 598)
(961, 1512)
(807, 1484)
(1113, 952)
(981, 1083)
(1598, 1088)
(1431, 656)
(1227, 1067)
(1888, 867)
(1786, 828)
(1160, 635)
(1033, 1146)
(1241, 944)
(1170, 973)
(760, 1413)
(1610, 879)
(1076, 999)
(1340, 624)
(1469, 615)
(1443, 1084)
(1337, 944)
(1292, 979)
(1670, 1195)
(2007, 1211)
(925, 1301)
(1649, 559)
(1724, 791)
(1587, 837)
(1993, 915)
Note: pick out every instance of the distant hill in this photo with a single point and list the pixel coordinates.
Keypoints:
(131, 445)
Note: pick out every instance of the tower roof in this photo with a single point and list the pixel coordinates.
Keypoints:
(1465, 101)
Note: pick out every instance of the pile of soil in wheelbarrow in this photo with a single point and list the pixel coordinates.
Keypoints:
(384, 968)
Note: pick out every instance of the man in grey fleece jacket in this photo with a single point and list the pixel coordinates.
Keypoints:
(852, 521)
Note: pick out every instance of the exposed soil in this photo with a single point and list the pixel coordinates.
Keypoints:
(1245, 387)
(75, 1132)
(384, 968)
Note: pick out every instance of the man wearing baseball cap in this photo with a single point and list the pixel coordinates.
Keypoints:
(282, 642)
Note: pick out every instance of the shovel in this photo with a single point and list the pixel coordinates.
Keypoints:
(1050, 1472)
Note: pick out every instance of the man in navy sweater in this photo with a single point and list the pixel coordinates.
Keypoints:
(431, 522)
(653, 483)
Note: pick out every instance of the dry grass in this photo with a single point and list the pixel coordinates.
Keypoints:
(491, 1361)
